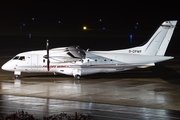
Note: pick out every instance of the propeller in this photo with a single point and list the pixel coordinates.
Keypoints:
(47, 56)
(47, 48)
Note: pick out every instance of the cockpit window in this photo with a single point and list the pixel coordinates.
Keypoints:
(22, 58)
(19, 58)
(16, 58)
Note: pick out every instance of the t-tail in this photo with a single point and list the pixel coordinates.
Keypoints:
(158, 43)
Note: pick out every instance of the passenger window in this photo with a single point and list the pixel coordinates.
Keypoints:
(111, 61)
(22, 58)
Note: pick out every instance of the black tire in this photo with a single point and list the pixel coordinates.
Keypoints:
(78, 77)
(16, 76)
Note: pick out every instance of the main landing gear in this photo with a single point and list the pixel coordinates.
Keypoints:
(78, 77)
(77, 73)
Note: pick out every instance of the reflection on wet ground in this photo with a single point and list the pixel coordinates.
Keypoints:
(39, 107)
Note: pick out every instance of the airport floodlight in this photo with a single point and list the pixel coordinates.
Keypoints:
(84, 28)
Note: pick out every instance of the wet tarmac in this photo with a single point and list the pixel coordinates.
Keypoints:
(39, 107)
(136, 94)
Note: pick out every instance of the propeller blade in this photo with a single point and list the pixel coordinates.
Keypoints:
(48, 64)
(47, 48)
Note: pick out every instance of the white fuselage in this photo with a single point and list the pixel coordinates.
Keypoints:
(95, 62)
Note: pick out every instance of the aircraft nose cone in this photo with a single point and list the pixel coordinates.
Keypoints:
(4, 67)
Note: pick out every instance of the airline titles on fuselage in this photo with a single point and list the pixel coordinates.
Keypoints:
(56, 66)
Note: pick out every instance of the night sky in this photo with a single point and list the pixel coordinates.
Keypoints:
(118, 18)
(121, 13)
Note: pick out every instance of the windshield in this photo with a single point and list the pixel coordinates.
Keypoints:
(19, 58)
(16, 58)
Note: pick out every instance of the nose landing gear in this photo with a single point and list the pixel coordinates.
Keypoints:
(16, 77)
(16, 74)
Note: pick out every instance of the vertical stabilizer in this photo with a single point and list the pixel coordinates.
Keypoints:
(158, 43)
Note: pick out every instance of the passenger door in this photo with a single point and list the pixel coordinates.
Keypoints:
(34, 62)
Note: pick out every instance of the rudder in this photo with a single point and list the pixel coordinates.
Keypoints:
(162, 49)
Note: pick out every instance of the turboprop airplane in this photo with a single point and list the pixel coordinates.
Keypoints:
(77, 62)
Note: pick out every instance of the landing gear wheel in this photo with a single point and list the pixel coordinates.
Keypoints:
(78, 77)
